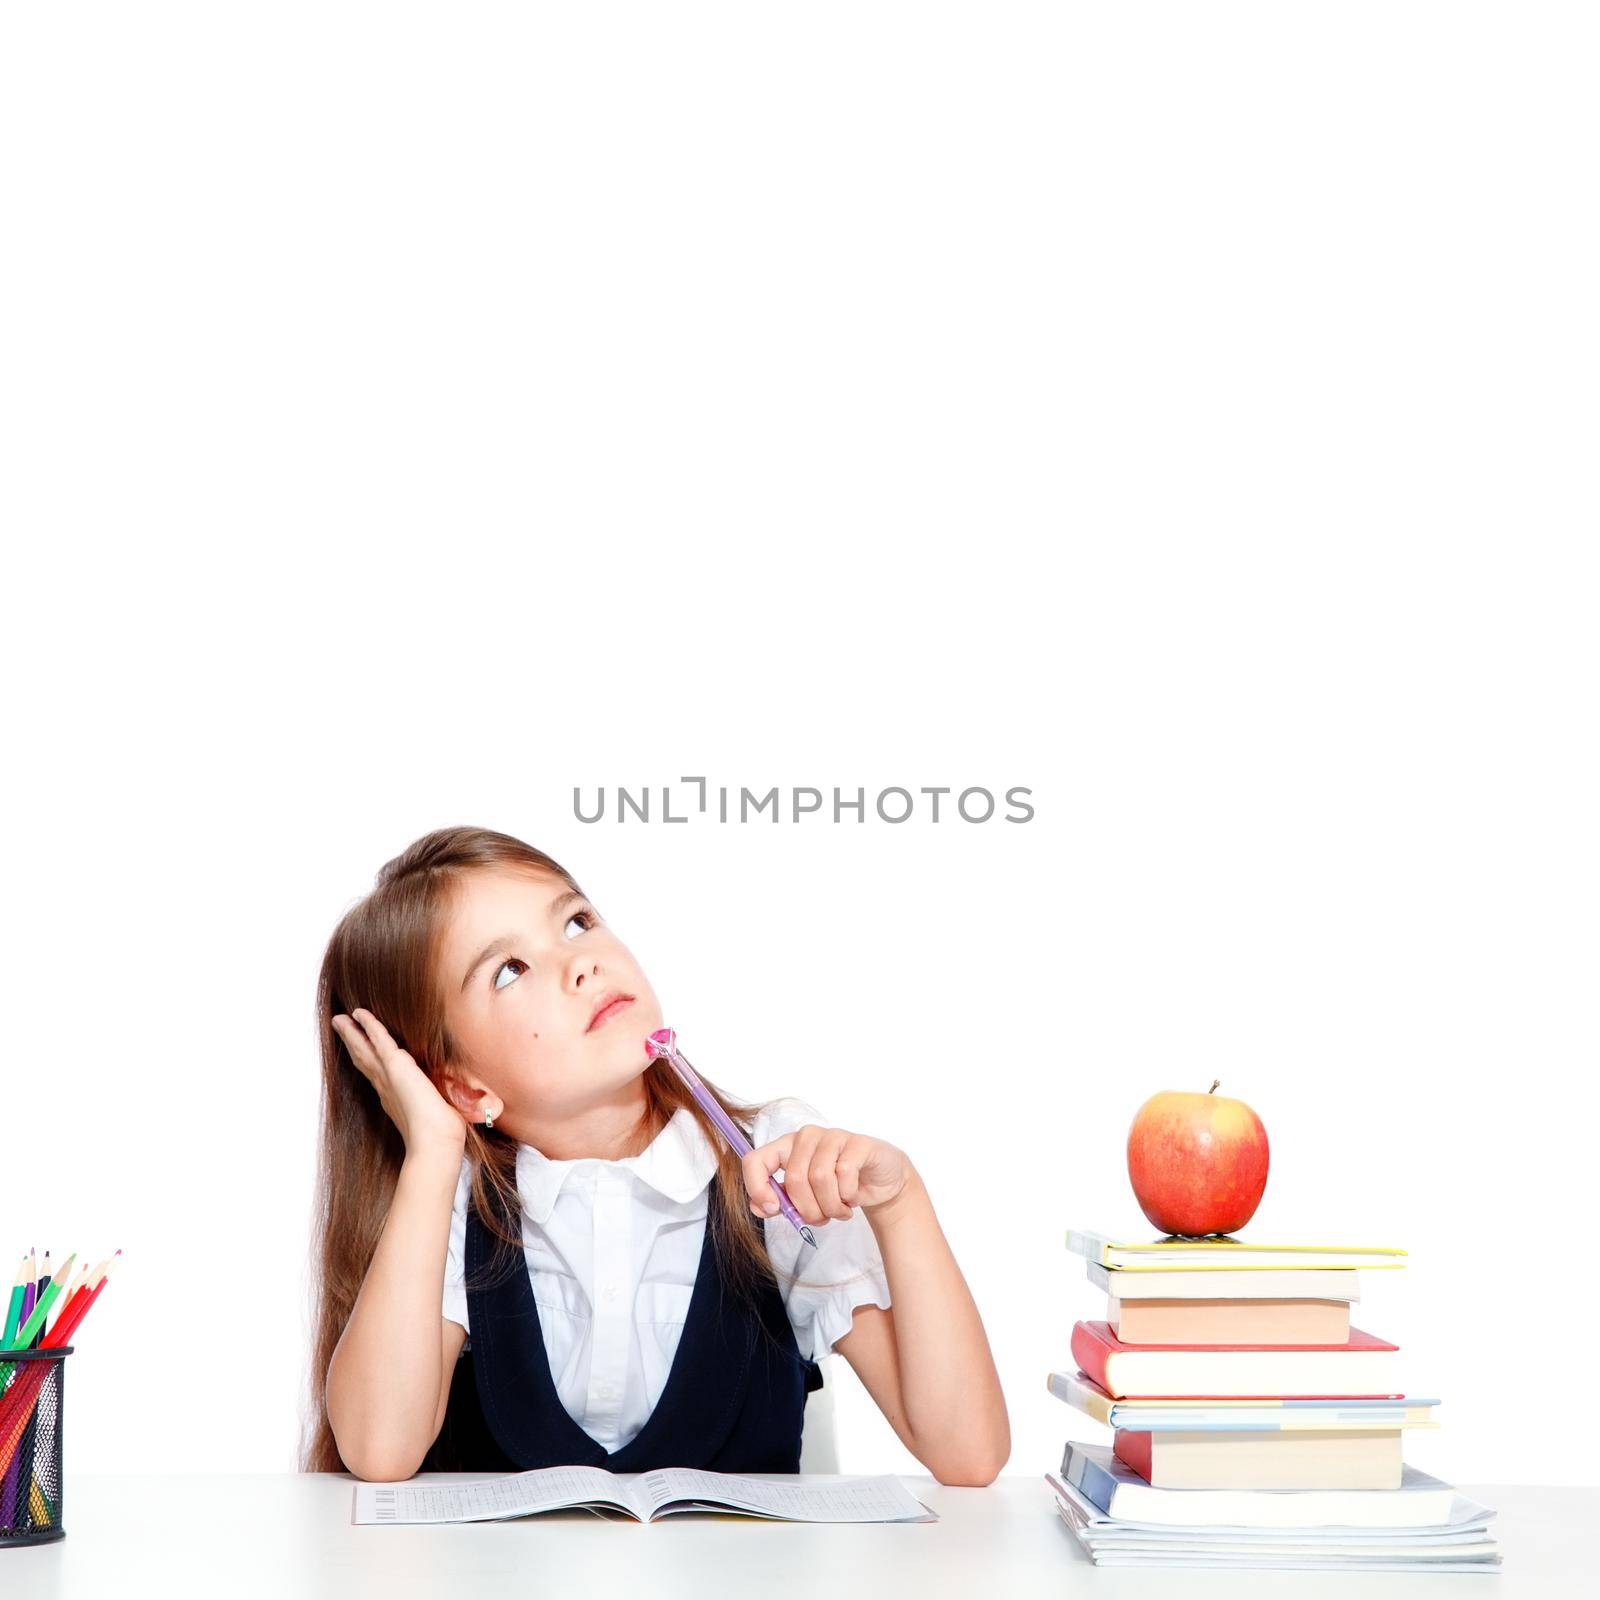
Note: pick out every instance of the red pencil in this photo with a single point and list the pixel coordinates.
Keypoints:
(70, 1291)
(67, 1322)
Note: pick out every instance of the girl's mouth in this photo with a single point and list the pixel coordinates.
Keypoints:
(608, 1011)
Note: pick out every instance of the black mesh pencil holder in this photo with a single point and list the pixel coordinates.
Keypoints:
(31, 1387)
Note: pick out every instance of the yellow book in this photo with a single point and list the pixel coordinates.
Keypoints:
(1174, 1254)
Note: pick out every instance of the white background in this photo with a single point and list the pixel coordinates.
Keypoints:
(411, 412)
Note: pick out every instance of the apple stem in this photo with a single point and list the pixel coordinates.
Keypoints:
(1214, 1083)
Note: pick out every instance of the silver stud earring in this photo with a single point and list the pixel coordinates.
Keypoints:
(488, 1122)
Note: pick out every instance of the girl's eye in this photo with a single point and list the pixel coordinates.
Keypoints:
(588, 920)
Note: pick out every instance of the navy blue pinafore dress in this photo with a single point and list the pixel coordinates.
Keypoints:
(734, 1399)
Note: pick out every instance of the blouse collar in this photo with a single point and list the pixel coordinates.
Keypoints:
(678, 1163)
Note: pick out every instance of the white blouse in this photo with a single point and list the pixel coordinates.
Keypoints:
(613, 1248)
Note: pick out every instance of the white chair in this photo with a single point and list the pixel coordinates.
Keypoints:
(819, 1449)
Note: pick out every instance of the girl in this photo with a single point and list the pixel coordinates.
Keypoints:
(617, 1287)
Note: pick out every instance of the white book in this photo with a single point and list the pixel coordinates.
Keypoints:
(1468, 1523)
(1481, 1555)
(1116, 1489)
(1241, 1416)
(1287, 1283)
(784, 1497)
(1461, 1544)
(1217, 1543)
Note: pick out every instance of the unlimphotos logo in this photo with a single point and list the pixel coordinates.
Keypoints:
(891, 804)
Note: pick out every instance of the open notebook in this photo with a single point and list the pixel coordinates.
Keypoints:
(645, 1495)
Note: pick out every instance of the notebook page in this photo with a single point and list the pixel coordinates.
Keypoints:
(881, 1499)
(514, 1495)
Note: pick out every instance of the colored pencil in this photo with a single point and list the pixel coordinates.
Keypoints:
(21, 1305)
(14, 1427)
(29, 1292)
(8, 1496)
(29, 1295)
(14, 1309)
(25, 1452)
(68, 1287)
(69, 1295)
(93, 1285)
(49, 1296)
(10, 1490)
(47, 1272)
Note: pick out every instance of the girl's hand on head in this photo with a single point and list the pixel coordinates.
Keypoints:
(426, 1120)
(827, 1173)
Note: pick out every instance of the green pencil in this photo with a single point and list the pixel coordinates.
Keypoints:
(14, 1310)
(25, 1336)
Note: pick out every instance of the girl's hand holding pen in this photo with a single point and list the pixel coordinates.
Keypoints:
(827, 1173)
(422, 1114)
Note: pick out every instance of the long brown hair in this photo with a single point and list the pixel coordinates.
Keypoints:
(382, 957)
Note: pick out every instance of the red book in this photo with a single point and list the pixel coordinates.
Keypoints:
(1134, 1448)
(1364, 1367)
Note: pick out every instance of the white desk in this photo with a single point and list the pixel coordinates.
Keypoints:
(289, 1535)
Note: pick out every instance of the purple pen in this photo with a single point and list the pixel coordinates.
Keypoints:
(663, 1045)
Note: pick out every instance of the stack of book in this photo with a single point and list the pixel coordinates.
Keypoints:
(1253, 1425)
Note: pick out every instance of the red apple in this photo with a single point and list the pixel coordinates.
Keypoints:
(1198, 1162)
